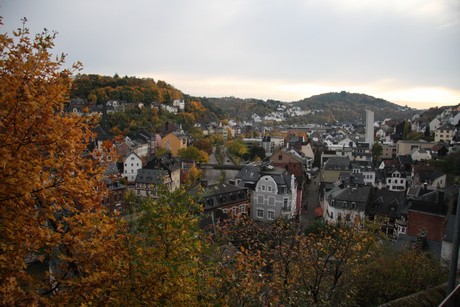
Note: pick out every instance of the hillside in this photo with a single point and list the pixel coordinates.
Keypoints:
(351, 107)
(341, 107)
(325, 108)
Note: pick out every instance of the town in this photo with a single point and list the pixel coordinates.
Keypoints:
(337, 173)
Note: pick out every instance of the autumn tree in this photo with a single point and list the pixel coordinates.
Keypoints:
(193, 153)
(50, 184)
(163, 262)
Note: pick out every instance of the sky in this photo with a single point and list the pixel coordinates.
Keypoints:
(407, 52)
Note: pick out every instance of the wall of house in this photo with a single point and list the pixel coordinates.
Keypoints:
(284, 160)
(266, 200)
(131, 165)
(432, 223)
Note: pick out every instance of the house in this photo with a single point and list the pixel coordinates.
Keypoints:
(333, 167)
(444, 133)
(434, 124)
(396, 180)
(290, 160)
(428, 214)
(388, 151)
(227, 198)
(366, 169)
(148, 182)
(420, 154)
(429, 177)
(174, 141)
(114, 200)
(404, 147)
(455, 119)
(274, 191)
(128, 145)
(131, 164)
(391, 209)
(346, 205)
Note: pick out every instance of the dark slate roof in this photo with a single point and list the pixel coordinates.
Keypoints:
(220, 195)
(436, 202)
(387, 203)
(348, 178)
(151, 176)
(337, 163)
(364, 166)
(359, 195)
(404, 159)
(251, 173)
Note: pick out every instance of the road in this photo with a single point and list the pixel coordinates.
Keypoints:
(310, 201)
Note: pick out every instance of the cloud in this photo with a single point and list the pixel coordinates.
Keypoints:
(261, 48)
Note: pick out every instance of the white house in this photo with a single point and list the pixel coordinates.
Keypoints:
(419, 154)
(346, 205)
(396, 181)
(131, 164)
(272, 200)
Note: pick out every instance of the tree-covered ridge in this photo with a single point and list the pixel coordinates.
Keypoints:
(99, 89)
(351, 107)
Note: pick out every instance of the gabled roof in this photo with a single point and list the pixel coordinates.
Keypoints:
(151, 176)
(337, 163)
(387, 203)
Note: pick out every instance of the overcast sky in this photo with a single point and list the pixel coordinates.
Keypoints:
(405, 51)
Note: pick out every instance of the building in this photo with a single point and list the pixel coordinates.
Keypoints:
(174, 141)
(227, 198)
(404, 147)
(273, 191)
(444, 133)
(333, 167)
(131, 164)
(346, 205)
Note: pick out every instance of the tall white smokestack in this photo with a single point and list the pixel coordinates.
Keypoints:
(370, 128)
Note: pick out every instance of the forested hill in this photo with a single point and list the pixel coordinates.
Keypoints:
(349, 107)
(325, 108)
(99, 89)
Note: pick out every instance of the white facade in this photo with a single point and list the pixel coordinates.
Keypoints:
(396, 182)
(269, 203)
(131, 164)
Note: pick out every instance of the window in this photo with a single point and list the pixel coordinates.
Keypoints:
(242, 209)
(353, 205)
(263, 187)
(260, 199)
(344, 204)
(280, 157)
(271, 201)
(260, 213)
(285, 203)
(137, 164)
(132, 158)
(269, 188)
(270, 215)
